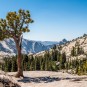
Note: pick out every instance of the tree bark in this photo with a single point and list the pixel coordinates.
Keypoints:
(19, 58)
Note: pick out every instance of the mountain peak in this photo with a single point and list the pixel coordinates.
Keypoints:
(64, 40)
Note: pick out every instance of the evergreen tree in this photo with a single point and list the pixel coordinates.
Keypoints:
(73, 52)
(14, 64)
(15, 24)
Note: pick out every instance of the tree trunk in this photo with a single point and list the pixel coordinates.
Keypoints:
(19, 59)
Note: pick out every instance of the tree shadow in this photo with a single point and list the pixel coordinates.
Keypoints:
(39, 79)
(78, 79)
(49, 79)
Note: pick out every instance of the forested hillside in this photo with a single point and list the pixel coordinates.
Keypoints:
(54, 60)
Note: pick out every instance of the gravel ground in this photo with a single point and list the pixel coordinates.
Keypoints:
(46, 79)
(51, 79)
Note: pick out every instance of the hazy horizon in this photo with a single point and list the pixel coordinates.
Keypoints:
(54, 19)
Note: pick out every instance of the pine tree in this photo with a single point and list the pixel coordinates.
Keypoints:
(73, 52)
(14, 64)
(15, 24)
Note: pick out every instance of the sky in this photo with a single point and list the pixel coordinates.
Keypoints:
(54, 20)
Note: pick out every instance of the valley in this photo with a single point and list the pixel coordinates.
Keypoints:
(43, 43)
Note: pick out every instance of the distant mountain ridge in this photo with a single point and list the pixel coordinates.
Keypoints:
(79, 43)
(28, 46)
(46, 43)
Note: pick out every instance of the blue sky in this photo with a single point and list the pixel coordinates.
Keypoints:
(54, 19)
